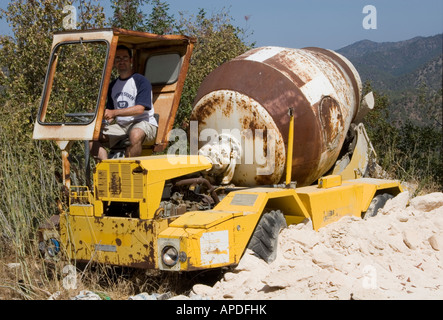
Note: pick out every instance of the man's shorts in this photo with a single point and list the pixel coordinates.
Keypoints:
(117, 132)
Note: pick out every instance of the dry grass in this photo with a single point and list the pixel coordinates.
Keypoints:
(30, 194)
(32, 279)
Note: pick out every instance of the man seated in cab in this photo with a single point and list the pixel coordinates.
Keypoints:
(129, 112)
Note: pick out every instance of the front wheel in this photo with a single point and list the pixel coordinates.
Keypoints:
(376, 204)
(264, 240)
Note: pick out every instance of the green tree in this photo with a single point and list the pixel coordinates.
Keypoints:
(160, 21)
(406, 150)
(24, 55)
(419, 159)
(383, 133)
(218, 41)
(28, 168)
(128, 14)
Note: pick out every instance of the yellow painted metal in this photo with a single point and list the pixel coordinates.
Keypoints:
(203, 219)
(290, 147)
(81, 201)
(203, 239)
(361, 155)
(329, 181)
(329, 205)
(219, 237)
(89, 234)
(141, 179)
(81, 210)
(352, 197)
(111, 240)
(372, 186)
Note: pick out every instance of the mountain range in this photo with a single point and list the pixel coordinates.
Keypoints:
(408, 72)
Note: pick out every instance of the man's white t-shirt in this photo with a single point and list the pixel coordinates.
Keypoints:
(125, 93)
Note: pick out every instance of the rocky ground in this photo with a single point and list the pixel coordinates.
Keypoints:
(396, 255)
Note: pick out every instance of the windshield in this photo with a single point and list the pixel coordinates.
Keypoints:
(74, 82)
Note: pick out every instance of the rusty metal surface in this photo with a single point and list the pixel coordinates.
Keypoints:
(109, 240)
(321, 86)
(199, 181)
(62, 131)
(249, 123)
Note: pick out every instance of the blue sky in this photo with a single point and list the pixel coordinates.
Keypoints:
(326, 23)
(330, 24)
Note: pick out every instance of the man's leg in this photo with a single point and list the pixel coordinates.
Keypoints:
(136, 137)
(109, 136)
(97, 150)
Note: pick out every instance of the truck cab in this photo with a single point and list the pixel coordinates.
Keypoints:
(81, 68)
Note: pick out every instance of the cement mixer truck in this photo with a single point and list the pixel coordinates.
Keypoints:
(275, 136)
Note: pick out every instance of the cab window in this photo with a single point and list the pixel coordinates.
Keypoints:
(163, 69)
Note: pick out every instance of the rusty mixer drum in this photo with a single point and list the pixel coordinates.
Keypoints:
(252, 93)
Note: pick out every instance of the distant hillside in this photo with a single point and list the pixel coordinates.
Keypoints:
(409, 72)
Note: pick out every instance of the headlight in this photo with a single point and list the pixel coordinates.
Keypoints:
(49, 248)
(169, 256)
(54, 247)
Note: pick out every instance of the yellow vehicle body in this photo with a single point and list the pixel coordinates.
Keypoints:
(90, 232)
(203, 239)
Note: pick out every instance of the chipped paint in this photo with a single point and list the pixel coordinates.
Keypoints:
(322, 87)
(264, 54)
(214, 247)
(243, 118)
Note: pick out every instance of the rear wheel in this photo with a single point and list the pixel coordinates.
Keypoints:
(264, 240)
(377, 203)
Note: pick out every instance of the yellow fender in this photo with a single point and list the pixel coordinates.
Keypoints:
(219, 237)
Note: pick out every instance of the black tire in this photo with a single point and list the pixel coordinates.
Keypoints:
(376, 204)
(264, 240)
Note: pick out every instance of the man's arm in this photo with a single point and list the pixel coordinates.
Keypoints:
(136, 110)
(144, 91)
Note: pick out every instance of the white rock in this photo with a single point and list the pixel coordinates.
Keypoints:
(399, 202)
(403, 251)
(367, 294)
(203, 290)
(321, 258)
(411, 238)
(397, 244)
(13, 265)
(427, 202)
(435, 242)
(87, 295)
(250, 262)
(55, 295)
(306, 238)
(279, 280)
(403, 215)
(180, 297)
